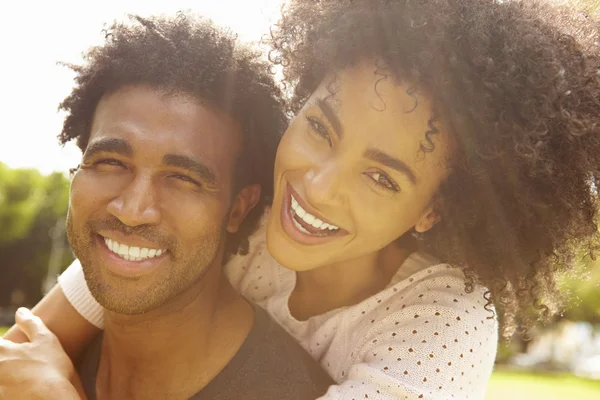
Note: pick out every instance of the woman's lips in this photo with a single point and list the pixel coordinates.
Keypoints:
(299, 230)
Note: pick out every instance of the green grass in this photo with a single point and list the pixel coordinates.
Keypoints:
(514, 385)
(3, 330)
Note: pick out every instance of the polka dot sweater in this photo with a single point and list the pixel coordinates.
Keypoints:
(422, 337)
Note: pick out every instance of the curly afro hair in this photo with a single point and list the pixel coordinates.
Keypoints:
(517, 82)
(187, 55)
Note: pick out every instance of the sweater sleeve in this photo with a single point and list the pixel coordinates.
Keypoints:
(430, 341)
(73, 284)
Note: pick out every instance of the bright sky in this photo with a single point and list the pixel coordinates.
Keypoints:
(34, 35)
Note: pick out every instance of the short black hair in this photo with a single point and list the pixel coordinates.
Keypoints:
(187, 54)
(517, 84)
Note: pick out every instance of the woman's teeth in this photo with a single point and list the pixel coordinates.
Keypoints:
(310, 219)
(132, 253)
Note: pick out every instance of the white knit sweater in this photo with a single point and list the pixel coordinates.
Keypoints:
(422, 337)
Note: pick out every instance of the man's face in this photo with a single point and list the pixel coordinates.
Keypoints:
(150, 205)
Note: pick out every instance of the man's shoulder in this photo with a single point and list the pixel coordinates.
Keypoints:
(269, 365)
(285, 352)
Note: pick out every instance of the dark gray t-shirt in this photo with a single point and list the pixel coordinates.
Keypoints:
(270, 364)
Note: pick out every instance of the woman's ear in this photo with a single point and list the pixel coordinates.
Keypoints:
(244, 201)
(429, 218)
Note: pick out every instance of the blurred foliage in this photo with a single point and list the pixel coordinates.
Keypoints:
(24, 195)
(592, 7)
(31, 204)
(583, 291)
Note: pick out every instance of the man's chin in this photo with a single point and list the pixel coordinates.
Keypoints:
(123, 304)
(121, 296)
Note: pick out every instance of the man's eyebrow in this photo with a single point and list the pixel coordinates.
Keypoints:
(391, 162)
(331, 116)
(108, 145)
(195, 167)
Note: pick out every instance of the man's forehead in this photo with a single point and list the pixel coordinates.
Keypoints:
(167, 118)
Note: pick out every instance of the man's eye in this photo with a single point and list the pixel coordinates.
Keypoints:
(382, 180)
(110, 161)
(318, 128)
(187, 179)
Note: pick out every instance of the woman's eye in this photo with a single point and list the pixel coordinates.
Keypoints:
(384, 181)
(319, 128)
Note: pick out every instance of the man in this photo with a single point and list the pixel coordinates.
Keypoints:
(178, 128)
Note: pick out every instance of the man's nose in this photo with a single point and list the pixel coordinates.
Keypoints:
(137, 204)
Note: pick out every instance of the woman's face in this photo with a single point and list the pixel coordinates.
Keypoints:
(350, 175)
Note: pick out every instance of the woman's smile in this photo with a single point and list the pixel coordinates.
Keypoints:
(348, 194)
(303, 224)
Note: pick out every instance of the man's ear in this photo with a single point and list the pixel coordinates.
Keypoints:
(429, 218)
(244, 201)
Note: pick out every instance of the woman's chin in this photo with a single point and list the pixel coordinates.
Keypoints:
(290, 257)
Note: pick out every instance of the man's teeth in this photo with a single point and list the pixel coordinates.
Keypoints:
(309, 219)
(132, 253)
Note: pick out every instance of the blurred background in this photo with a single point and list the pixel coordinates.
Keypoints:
(560, 361)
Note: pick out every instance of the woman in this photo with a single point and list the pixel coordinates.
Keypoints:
(441, 159)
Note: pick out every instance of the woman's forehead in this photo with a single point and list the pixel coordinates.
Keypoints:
(364, 92)
(374, 93)
(368, 76)
(378, 111)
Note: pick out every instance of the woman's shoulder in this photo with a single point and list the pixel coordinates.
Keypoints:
(434, 292)
(422, 272)
(425, 329)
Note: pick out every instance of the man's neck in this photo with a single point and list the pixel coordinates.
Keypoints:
(176, 350)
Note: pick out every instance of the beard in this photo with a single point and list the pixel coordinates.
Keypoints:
(183, 268)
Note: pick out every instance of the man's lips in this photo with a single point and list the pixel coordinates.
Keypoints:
(134, 253)
(130, 240)
(127, 265)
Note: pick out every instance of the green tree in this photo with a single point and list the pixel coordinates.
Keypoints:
(21, 198)
(31, 205)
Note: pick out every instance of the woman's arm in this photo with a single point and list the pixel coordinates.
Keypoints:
(73, 331)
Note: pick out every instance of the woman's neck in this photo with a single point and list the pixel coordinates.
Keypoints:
(344, 284)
